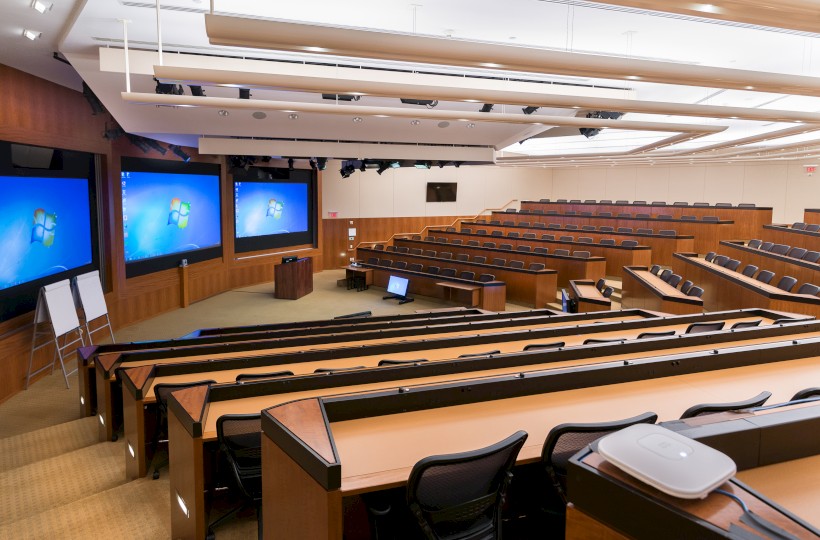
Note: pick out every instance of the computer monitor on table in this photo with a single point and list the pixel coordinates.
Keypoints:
(397, 287)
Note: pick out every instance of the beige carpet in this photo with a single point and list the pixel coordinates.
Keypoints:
(57, 481)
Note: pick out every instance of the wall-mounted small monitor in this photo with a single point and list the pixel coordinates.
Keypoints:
(170, 211)
(273, 208)
(441, 191)
(397, 285)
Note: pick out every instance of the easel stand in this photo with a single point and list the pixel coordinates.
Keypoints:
(401, 299)
(88, 295)
(55, 309)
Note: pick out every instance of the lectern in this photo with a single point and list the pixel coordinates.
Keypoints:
(294, 279)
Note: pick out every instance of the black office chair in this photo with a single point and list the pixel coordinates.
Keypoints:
(473, 355)
(593, 341)
(467, 275)
(806, 393)
(561, 252)
(625, 230)
(415, 267)
(400, 265)
(712, 408)
(766, 246)
(710, 256)
(524, 249)
(812, 256)
(480, 259)
(240, 442)
(674, 279)
(814, 227)
(498, 262)
(686, 286)
(566, 440)
(720, 260)
(536, 266)
(700, 327)
(582, 254)
(388, 362)
(611, 242)
(548, 237)
(448, 272)
(647, 335)
(797, 252)
(541, 250)
(459, 496)
(749, 270)
(539, 346)
(746, 324)
(665, 275)
(600, 284)
(434, 270)
(249, 377)
(765, 276)
(485, 278)
(732, 264)
(808, 288)
(655, 269)
(488, 245)
(607, 292)
(516, 264)
(754, 243)
(161, 392)
(697, 292)
(786, 283)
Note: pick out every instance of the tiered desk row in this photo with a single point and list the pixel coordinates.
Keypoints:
(495, 345)
(747, 219)
(782, 265)
(642, 289)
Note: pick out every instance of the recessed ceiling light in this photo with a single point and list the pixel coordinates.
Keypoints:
(633, 77)
(749, 87)
(40, 7)
(415, 122)
(31, 34)
(315, 49)
(358, 119)
(293, 116)
(382, 115)
(222, 112)
(471, 125)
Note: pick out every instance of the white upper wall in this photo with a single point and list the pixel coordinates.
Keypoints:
(402, 192)
(783, 186)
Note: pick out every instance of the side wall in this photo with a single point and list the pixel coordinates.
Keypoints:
(35, 111)
(379, 206)
(783, 186)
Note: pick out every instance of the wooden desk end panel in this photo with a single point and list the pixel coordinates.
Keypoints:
(295, 505)
(105, 408)
(87, 389)
(678, 308)
(293, 280)
(185, 458)
(580, 526)
(494, 298)
(133, 417)
(546, 289)
(634, 295)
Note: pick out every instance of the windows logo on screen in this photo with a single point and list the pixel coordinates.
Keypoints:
(275, 209)
(43, 229)
(179, 213)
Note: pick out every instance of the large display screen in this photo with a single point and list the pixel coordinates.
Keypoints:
(170, 212)
(273, 208)
(264, 208)
(45, 227)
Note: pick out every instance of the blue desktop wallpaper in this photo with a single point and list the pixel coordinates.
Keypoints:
(45, 227)
(167, 213)
(265, 208)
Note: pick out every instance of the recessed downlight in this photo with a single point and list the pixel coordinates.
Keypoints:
(415, 122)
(358, 119)
(222, 112)
(31, 34)
(293, 116)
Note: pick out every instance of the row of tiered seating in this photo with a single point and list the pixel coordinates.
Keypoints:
(567, 227)
(687, 287)
(621, 215)
(783, 249)
(786, 283)
(810, 227)
(449, 272)
(653, 203)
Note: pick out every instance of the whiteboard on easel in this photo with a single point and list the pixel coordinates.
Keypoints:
(88, 290)
(59, 304)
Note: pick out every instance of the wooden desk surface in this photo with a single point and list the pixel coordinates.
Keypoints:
(255, 404)
(379, 452)
(459, 286)
(660, 285)
(766, 287)
(587, 291)
(354, 343)
(794, 485)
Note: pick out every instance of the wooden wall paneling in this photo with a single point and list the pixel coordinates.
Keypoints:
(811, 215)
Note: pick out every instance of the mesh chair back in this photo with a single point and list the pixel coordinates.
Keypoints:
(587, 227)
(710, 256)
(607, 292)
(585, 239)
(746, 205)
(668, 232)
(434, 270)
(481, 231)
(488, 245)
(402, 249)
(450, 229)
(808, 288)
(720, 260)
(700, 204)
(746, 324)
(780, 249)
(539, 225)
(245, 377)
(600, 284)
(529, 236)
(240, 438)
(680, 203)
(700, 327)
(512, 234)
(484, 278)
(765, 276)
(496, 233)
(625, 215)
(766, 246)
(712, 408)
(786, 283)
(642, 216)
(372, 260)
(571, 227)
(655, 269)
(697, 292)
(709, 218)
(554, 226)
(749, 270)
(547, 237)
(463, 492)
(644, 231)
(605, 214)
(606, 228)
(566, 238)
(724, 204)
(621, 201)
(446, 255)
(385, 262)
(380, 247)
(638, 202)
(416, 251)
(664, 216)
(523, 223)
(429, 253)
(473, 243)
(416, 237)
(456, 241)
(462, 257)
(465, 230)
(565, 440)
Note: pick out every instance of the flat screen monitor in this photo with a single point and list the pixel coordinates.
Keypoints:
(273, 208)
(397, 285)
(441, 191)
(170, 212)
(48, 223)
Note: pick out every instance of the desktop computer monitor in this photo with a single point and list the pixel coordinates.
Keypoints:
(397, 285)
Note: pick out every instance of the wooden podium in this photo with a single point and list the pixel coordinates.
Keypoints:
(294, 279)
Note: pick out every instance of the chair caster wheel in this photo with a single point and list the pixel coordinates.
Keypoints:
(155, 476)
